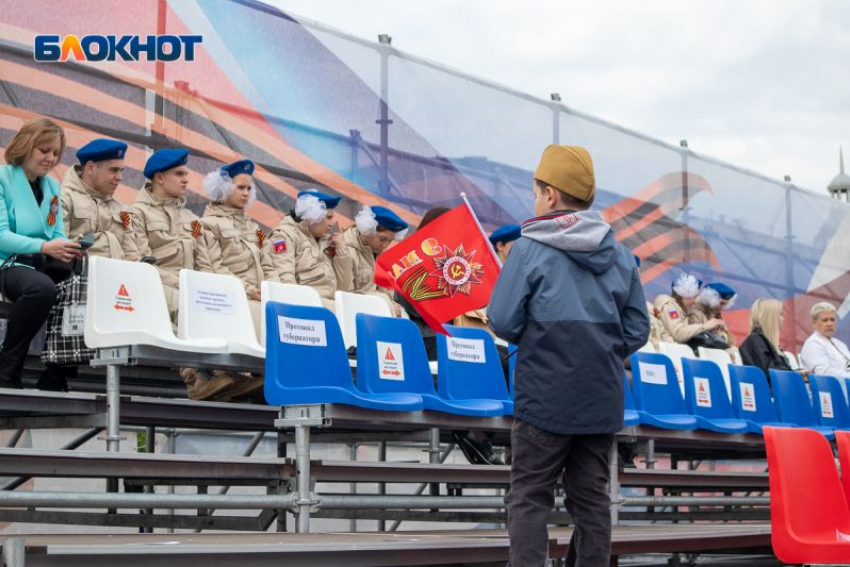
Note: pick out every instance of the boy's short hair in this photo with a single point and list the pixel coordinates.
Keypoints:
(568, 201)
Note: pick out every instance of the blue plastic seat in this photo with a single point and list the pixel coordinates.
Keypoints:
(391, 357)
(658, 398)
(461, 377)
(751, 398)
(306, 362)
(707, 398)
(829, 403)
(792, 401)
(630, 414)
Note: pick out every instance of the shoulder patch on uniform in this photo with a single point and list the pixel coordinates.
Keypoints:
(279, 246)
(126, 219)
(673, 313)
(330, 251)
(261, 237)
(197, 229)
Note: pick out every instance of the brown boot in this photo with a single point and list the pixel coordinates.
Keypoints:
(246, 388)
(203, 385)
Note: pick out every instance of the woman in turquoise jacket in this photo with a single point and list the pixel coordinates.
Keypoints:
(30, 224)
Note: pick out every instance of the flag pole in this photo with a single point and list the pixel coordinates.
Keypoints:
(481, 228)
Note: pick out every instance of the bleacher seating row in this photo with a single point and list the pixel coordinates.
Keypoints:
(306, 358)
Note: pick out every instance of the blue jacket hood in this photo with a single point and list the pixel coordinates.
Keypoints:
(584, 236)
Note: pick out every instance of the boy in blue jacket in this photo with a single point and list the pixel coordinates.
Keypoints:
(570, 297)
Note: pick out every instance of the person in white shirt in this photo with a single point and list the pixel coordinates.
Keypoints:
(822, 353)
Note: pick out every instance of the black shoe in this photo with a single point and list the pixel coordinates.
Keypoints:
(626, 453)
(476, 452)
(53, 379)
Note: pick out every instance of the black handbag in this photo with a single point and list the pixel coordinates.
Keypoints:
(707, 340)
(56, 270)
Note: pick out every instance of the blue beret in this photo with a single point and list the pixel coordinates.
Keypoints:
(101, 149)
(330, 202)
(726, 293)
(388, 219)
(163, 160)
(505, 234)
(237, 167)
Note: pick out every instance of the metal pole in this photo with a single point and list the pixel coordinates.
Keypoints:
(556, 118)
(650, 464)
(382, 486)
(37, 499)
(302, 475)
(281, 454)
(171, 443)
(384, 121)
(14, 552)
(113, 409)
(113, 419)
(150, 447)
(352, 487)
(790, 263)
(434, 455)
(614, 483)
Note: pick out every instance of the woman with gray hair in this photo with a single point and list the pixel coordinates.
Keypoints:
(822, 352)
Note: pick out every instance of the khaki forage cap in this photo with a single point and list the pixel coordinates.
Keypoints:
(568, 169)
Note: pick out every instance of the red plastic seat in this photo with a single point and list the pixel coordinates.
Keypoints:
(842, 439)
(810, 521)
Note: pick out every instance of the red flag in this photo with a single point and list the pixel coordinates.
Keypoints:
(444, 269)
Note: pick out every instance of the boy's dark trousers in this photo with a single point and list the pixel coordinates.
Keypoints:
(539, 457)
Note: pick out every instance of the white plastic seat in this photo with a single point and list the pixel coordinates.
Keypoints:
(214, 306)
(125, 305)
(286, 293)
(722, 359)
(676, 352)
(648, 347)
(348, 305)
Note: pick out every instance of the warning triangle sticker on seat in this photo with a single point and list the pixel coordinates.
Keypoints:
(389, 355)
(122, 291)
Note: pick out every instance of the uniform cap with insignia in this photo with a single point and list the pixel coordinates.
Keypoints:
(101, 149)
(330, 202)
(388, 219)
(237, 167)
(568, 169)
(163, 160)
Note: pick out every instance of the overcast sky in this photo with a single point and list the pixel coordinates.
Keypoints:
(761, 84)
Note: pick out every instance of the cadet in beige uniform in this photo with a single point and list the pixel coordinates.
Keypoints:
(164, 228)
(712, 300)
(673, 310)
(88, 207)
(306, 249)
(162, 225)
(235, 242)
(87, 198)
(374, 230)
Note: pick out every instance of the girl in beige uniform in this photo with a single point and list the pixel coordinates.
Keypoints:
(234, 241)
(374, 229)
(673, 310)
(307, 247)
